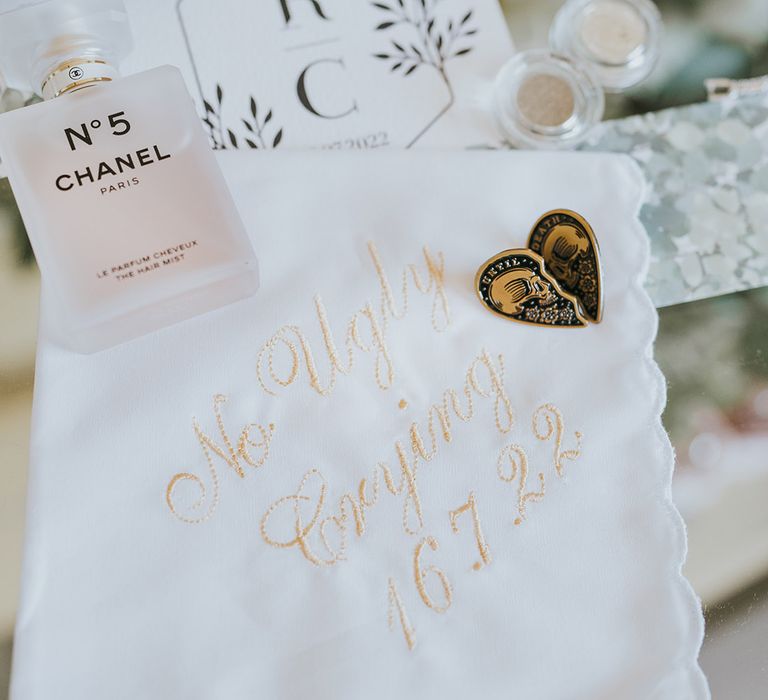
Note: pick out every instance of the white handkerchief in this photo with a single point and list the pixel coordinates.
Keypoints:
(361, 483)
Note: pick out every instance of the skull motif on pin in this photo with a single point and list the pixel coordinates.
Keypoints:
(515, 284)
(562, 250)
(568, 245)
(514, 288)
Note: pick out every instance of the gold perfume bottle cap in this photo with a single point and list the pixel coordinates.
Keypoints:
(76, 74)
(59, 46)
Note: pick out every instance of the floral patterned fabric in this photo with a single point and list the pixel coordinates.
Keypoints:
(706, 208)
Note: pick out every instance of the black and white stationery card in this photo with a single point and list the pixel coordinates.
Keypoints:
(330, 73)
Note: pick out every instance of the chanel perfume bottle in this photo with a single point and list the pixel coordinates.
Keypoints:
(128, 214)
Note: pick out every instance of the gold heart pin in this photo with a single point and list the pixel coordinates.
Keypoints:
(568, 245)
(515, 284)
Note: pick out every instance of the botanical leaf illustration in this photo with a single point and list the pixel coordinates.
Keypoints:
(434, 43)
(224, 137)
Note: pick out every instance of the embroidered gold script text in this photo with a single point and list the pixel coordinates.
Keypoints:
(233, 457)
(350, 509)
(281, 359)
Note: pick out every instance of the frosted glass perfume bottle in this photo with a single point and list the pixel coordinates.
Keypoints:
(128, 214)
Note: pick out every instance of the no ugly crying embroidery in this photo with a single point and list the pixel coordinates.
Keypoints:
(556, 281)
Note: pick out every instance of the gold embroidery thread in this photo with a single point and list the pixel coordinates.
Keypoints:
(553, 420)
(435, 285)
(518, 463)
(293, 340)
(482, 545)
(420, 574)
(228, 453)
(301, 531)
(353, 505)
(395, 603)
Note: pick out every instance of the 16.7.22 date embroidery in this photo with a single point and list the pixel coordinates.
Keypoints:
(512, 468)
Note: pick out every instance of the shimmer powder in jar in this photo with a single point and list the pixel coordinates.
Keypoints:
(545, 101)
(618, 38)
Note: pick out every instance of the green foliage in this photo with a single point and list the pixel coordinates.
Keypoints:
(9, 215)
(714, 354)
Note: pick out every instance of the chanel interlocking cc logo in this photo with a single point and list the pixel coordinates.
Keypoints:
(75, 73)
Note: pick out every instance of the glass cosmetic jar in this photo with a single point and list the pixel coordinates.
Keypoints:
(620, 39)
(542, 100)
(552, 99)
